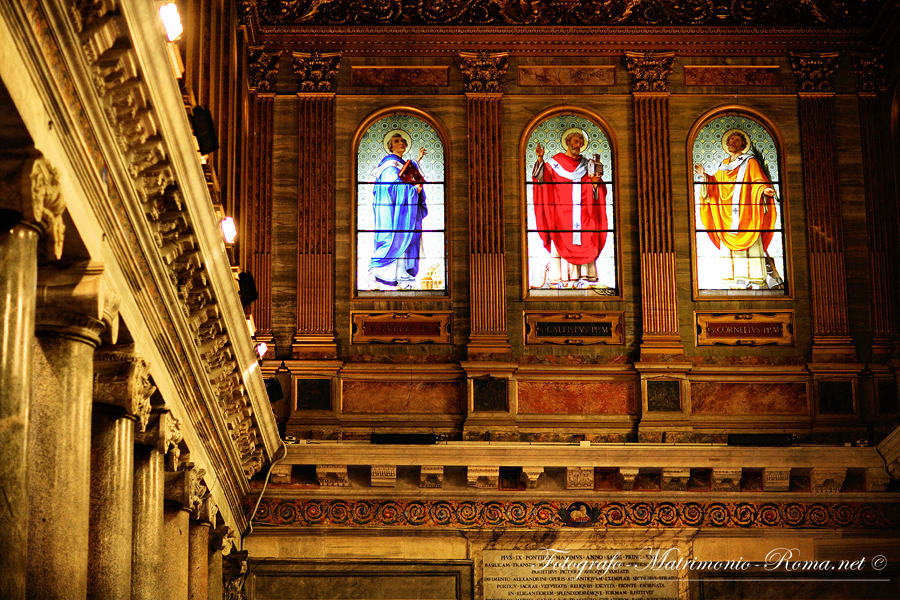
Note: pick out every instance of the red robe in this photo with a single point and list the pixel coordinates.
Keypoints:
(554, 209)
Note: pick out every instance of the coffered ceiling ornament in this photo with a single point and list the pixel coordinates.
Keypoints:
(649, 70)
(483, 71)
(316, 70)
(869, 69)
(567, 12)
(263, 67)
(814, 71)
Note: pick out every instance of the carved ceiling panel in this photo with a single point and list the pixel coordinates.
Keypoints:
(786, 13)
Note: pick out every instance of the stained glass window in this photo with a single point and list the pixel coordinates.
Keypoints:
(738, 210)
(570, 216)
(400, 218)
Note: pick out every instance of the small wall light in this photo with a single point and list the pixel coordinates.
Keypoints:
(261, 349)
(229, 230)
(172, 21)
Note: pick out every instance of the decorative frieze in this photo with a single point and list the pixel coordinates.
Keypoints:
(776, 479)
(316, 71)
(384, 476)
(827, 480)
(483, 477)
(431, 476)
(580, 478)
(332, 475)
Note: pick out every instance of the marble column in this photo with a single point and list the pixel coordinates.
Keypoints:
(198, 560)
(147, 516)
(121, 402)
(22, 197)
(221, 543)
(74, 307)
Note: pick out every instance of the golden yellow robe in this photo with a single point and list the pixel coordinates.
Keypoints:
(755, 210)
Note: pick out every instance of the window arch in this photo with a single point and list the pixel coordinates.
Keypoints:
(570, 217)
(738, 215)
(401, 247)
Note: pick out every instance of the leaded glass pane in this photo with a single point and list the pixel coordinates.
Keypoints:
(738, 213)
(400, 217)
(570, 216)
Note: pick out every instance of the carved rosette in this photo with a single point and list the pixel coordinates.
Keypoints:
(122, 378)
(484, 71)
(263, 67)
(814, 71)
(316, 70)
(649, 70)
(869, 69)
(30, 186)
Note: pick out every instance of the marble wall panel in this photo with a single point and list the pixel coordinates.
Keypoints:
(583, 398)
(748, 398)
(732, 75)
(403, 397)
(400, 76)
(568, 76)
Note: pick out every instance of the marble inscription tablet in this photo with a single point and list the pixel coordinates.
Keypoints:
(559, 574)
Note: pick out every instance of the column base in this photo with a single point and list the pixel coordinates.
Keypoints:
(833, 349)
(313, 346)
(657, 347)
(482, 345)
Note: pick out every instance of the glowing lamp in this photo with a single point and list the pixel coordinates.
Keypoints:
(261, 349)
(171, 20)
(229, 230)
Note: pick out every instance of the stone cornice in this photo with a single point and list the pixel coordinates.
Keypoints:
(118, 116)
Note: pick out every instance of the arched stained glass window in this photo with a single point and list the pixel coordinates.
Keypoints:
(738, 210)
(570, 216)
(400, 217)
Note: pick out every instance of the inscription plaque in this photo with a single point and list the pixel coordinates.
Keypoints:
(574, 328)
(745, 329)
(549, 574)
(401, 328)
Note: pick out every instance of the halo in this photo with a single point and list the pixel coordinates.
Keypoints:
(565, 134)
(728, 134)
(392, 133)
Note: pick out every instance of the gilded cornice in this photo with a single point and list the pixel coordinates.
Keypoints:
(560, 12)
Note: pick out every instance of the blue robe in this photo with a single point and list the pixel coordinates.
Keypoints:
(399, 210)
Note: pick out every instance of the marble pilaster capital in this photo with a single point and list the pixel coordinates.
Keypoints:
(186, 487)
(221, 538)
(29, 185)
(122, 378)
(77, 302)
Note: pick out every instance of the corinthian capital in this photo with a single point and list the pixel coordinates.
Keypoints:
(483, 71)
(263, 68)
(29, 185)
(316, 70)
(814, 71)
(649, 70)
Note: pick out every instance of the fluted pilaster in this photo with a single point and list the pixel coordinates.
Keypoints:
(487, 265)
(827, 276)
(655, 210)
